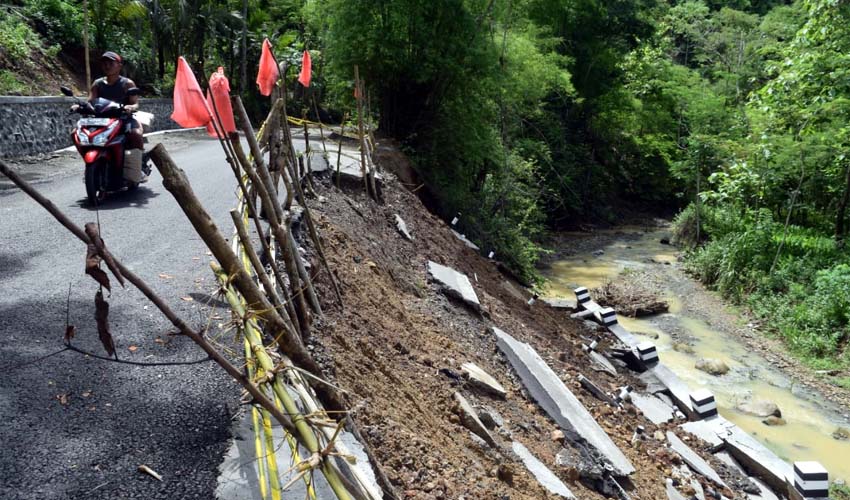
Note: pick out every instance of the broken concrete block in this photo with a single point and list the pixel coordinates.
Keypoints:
(462, 237)
(455, 284)
(491, 418)
(541, 473)
(470, 420)
(595, 390)
(560, 404)
(672, 492)
(705, 430)
(703, 403)
(402, 228)
(811, 480)
(676, 387)
(606, 317)
(693, 460)
(655, 410)
(483, 380)
(566, 304)
(753, 455)
(601, 363)
(623, 335)
(765, 493)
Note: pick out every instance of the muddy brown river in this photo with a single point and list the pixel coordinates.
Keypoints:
(810, 420)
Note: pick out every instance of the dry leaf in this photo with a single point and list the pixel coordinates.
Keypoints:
(150, 472)
(133, 348)
(101, 315)
(93, 267)
(100, 249)
(187, 299)
(165, 276)
(63, 399)
(86, 394)
(160, 340)
(70, 331)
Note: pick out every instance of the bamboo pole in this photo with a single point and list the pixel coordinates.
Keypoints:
(287, 248)
(363, 166)
(176, 182)
(314, 235)
(262, 275)
(258, 186)
(290, 260)
(302, 425)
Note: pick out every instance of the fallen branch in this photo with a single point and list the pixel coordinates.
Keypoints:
(259, 397)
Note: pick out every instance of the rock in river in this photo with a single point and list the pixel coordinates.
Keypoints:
(712, 366)
(759, 408)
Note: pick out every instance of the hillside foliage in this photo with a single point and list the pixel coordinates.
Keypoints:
(530, 115)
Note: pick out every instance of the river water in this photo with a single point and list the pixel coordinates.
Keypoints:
(810, 422)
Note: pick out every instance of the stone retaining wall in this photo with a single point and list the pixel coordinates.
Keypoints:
(32, 125)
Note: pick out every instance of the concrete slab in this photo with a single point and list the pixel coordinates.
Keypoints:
(676, 387)
(765, 492)
(705, 430)
(672, 492)
(541, 473)
(691, 458)
(601, 363)
(559, 403)
(565, 304)
(402, 227)
(483, 380)
(754, 456)
(655, 410)
(462, 237)
(623, 335)
(727, 459)
(595, 390)
(470, 420)
(454, 283)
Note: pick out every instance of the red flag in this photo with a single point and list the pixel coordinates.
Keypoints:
(218, 100)
(268, 73)
(190, 108)
(306, 69)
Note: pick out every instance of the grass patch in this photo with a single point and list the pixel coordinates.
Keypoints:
(9, 83)
(796, 281)
(841, 492)
(843, 382)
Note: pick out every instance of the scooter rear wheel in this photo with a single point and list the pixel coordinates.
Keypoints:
(95, 183)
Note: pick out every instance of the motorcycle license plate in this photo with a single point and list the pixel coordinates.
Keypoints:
(94, 122)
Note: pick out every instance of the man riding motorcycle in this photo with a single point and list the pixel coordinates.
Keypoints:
(113, 87)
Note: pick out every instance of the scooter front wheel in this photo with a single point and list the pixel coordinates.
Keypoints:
(95, 185)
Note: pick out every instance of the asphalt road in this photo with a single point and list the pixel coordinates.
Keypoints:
(72, 426)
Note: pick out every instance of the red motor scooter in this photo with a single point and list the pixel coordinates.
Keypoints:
(99, 137)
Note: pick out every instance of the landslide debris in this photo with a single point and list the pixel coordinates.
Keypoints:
(399, 348)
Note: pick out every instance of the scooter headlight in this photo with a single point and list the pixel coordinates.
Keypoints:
(101, 138)
(82, 137)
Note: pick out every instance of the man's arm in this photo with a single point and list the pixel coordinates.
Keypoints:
(93, 92)
(133, 100)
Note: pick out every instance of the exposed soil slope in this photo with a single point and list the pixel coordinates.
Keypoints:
(398, 345)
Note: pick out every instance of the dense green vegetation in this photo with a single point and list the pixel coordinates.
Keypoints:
(529, 115)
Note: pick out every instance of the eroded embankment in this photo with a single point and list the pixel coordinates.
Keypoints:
(399, 344)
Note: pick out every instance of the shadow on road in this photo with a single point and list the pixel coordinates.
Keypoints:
(121, 199)
(16, 263)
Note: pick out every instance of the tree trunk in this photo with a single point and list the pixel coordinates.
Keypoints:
(243, 70)
(840, 228)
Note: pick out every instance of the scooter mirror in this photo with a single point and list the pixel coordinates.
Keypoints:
(66, 91)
